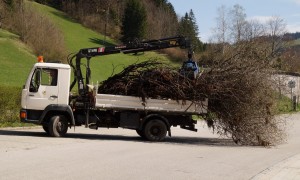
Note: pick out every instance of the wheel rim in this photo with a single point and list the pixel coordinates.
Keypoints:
(156, 131)
(61, 126)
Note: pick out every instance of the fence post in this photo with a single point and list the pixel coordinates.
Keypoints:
(294, 103)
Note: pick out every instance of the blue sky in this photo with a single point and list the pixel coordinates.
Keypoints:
(206, 12)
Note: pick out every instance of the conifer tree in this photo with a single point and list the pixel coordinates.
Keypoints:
(134, 21)
(188, 27)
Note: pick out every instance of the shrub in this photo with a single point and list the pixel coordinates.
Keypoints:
(242, 101)
(10, 103)
(37, 31)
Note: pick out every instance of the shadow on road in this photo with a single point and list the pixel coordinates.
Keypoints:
(200, 141)
(175, 140)
(22, 133)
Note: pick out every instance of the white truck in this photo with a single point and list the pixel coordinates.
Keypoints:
(47, 101)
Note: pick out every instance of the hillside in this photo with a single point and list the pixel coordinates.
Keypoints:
(78, 37)
(16, 60)
(296, 42)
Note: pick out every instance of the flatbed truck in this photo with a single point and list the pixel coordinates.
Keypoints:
(47, 101)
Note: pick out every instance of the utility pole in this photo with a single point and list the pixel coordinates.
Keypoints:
(106, 22)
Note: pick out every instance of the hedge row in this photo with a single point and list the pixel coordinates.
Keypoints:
(10, 103)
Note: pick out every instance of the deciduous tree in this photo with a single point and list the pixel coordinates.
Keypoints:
(238, 23)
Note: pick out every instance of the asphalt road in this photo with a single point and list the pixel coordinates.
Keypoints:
(121, 154)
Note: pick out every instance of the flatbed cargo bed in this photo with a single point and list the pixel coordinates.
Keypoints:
(120, 102)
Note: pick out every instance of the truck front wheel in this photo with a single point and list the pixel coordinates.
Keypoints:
(140, 133)
(46, 128)
(155, 130)
(58, 126)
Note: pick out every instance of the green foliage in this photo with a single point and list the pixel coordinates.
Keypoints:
(53, 3)
(9, 3)
(188, 27)
(134, 21)
(9, 105)
(160, 2)
(166, 5)
(284, 105)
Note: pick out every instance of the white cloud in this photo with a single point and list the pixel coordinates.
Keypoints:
(295, 15)
(261, 19)
(293, 27)
(204, 37)
(296, 1)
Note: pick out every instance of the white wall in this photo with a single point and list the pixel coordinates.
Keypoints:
(282, 80)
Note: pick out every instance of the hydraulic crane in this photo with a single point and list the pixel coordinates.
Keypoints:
(134, 47)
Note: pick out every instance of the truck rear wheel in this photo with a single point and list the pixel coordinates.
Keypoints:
(155, 130)
(58, 126)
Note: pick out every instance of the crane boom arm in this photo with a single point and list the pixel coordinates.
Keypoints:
(132, 47)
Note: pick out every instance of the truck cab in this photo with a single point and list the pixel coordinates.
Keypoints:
(46, 86)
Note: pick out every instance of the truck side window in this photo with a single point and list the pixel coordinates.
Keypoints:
(45, 77)
(49, 77)
(35, 81)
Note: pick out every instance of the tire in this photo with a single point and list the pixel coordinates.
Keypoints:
(140, 133)
(58, 126)
(155, 130)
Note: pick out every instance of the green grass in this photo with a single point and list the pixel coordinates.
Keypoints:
(16, 60)
(10, 103)
(296, 42)
(78, 37)
(284, 105)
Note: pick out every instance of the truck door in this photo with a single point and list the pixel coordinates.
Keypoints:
(43, 89)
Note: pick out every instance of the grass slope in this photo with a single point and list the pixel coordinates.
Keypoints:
(15, 60)
(78, 37)
(296, 42)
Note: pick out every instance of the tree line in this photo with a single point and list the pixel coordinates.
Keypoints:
(269, 38)
(292, 36)
(131, 19)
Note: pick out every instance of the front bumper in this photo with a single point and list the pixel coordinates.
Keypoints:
(25, 117)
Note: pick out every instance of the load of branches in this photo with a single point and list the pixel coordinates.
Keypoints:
(238, 85)
(151, 79)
